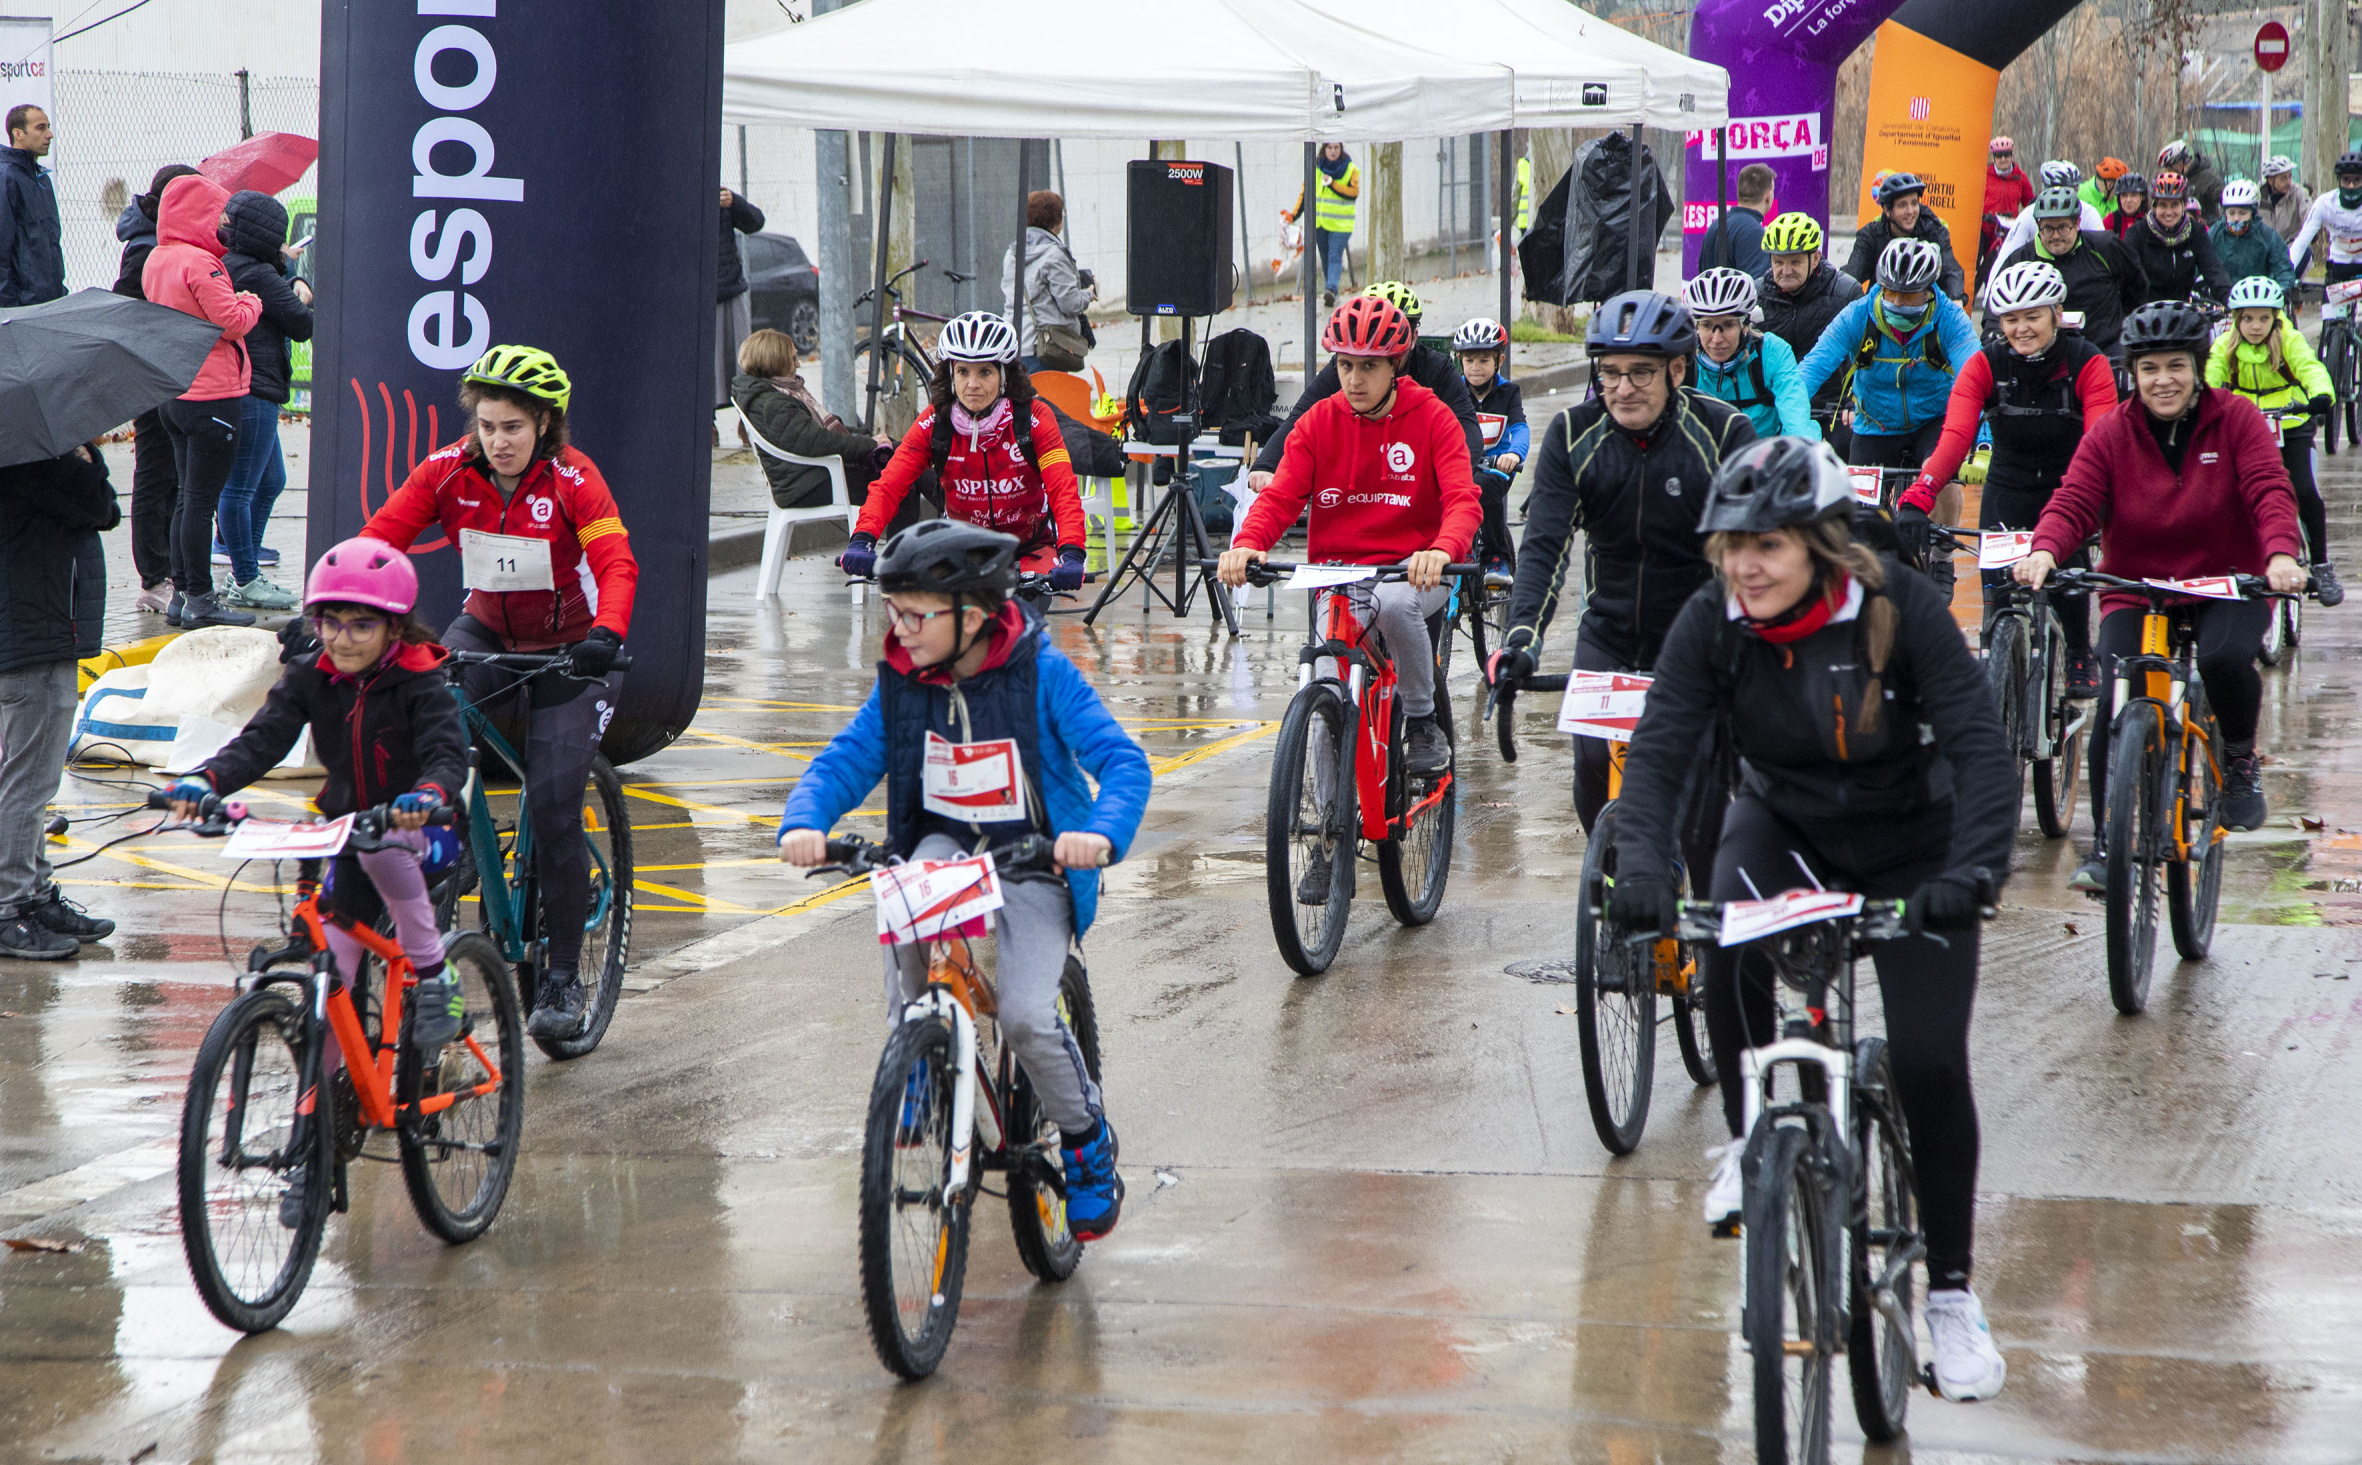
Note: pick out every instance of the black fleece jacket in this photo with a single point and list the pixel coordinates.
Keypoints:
(383, 733)
(53, 571)
(1432, 369)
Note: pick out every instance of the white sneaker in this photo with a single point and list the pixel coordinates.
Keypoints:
(1726, 1193)
(1967, 1365)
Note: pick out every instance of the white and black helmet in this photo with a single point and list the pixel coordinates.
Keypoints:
(1719, 292)
(1481, 334)
(2059, 173)
(1776, 483)
(1910, 264)
(2241, 193)
(2278, 164)
(2025, 285)
(977, 336)
(2256, 292)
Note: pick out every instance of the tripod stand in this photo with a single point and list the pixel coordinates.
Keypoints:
(1176, 529)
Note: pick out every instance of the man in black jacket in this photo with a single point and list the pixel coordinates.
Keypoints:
(32, 241)
(1430, 368)
(1799, 295)
(2175, 251)
(733, 312)
(53, 593)
(2105, 281)
(258, 262)
(1902, 214)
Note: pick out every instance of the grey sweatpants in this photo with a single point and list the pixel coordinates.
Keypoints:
(1034, 925)
(36, 721)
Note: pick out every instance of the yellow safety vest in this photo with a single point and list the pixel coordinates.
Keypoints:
(1332, 210)
(1525, 193)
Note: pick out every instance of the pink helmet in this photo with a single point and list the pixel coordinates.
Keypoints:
(363, 571)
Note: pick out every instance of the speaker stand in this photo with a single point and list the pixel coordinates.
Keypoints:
(1176, 519)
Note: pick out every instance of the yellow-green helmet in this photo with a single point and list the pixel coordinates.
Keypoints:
(527, 369)
(1791, 234)
(1397, 294)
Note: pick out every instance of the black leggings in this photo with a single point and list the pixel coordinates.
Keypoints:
(2002, 507)
(2230, 633)
(1928, 988)
(2296, 451)
(204, 449)
(1493, 491)
(1894, 450)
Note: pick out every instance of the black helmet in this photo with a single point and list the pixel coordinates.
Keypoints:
(947, 557)
(2166, 325)
(1895, 185)
(1640, 323)
(2348, 163)
(1776, 483)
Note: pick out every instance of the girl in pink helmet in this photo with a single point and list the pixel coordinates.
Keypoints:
(385, 727)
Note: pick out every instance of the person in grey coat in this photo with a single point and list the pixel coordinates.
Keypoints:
(1056, 292)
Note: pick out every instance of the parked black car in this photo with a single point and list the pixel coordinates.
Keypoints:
(784, 286)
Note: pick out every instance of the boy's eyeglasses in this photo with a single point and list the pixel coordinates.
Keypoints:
(912, 620)
(329, 629)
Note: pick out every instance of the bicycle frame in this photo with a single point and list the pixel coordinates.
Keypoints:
(507, 904)
(2162, 674)
(1369, 684)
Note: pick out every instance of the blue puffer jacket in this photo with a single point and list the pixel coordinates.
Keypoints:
(1065, 733)
(1899, 389)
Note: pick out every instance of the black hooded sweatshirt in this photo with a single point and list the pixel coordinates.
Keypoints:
(382, 733)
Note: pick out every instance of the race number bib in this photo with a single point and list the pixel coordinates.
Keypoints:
(1492, 425)
(922, 900)
(975, 783)
(1603, 704)
(504, 561)
(1867, 482)
(1998, 551)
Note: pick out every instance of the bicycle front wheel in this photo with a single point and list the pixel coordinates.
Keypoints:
(1690, 1032)
(1615, 1005)
(1880, 1352)
(607, 922)
(2194, 887)
(2136, 790)
(462, 1116)
(1037, 1211)
(246, 1159)
(914, 1234)
(2275, 637)
(2006, 660)
(1791, 1301)
(1309, 828)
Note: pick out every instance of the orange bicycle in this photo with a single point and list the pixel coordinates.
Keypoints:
(262, 1160)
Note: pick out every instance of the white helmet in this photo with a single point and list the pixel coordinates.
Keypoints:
(1910, 264)
(2025, 285)
(2278, 164)
(2059, 173)
(1481, 334)
(2257, 292)
(1720, 292)
(977, 336)
(2240, 193)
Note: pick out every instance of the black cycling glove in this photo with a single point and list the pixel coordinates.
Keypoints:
(594, 655)
(296, 641)
(2321, 406)
(1643, 903)
(1946, 903)
(860, 558)
(1509, 666)
(1068, 575)
(1911, 528)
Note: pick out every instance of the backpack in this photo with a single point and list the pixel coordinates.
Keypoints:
(1237, 386)
(1161, 405)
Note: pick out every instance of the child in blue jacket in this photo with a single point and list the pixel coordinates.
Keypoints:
(966, 665)
(1483, 348)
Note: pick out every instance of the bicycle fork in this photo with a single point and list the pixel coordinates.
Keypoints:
(967, 1116)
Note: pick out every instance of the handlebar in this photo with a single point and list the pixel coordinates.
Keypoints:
(1271, 572)
(851, 855)
(534, 663)
(1503, 698)
(2250, 587)
(217, 816)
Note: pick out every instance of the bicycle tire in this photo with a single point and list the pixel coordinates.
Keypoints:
(2194, 888)
(607, 926)
(1308, 945)
(2336, 348)
(2294, 612)
(1037, 1213)
(2056, 777)
(2006, 663)
(2275, 637)
(249, 1269)
(1615, 1007)
(936, 1252)
(1692, 1036)
(906, 373)
(1881, 1354)
(1414, 866)
(2136, 753)
(1789, 1302)
(457, 1163)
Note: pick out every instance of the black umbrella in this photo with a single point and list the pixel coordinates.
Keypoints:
(75, 368)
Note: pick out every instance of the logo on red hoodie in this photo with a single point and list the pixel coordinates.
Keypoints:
(1399, 457)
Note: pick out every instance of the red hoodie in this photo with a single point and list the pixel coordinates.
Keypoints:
(185, 272)
(1382, 488)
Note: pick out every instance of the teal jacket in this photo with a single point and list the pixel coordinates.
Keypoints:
(1763, 382)
(2259, 251)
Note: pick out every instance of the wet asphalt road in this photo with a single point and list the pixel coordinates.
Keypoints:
(1368, 1217)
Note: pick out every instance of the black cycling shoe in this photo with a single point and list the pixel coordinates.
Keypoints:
(1426, 751)
(67, 919)
(2243, 788)
(294, 1199)
(437, 1008)
(2083, 676)
(2326, 589)
(1319, 876)
(25, 939)
(558, 1013)
(2091, 877)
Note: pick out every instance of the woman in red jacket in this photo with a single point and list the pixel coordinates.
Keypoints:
(548, 567)
(2183, 480)
(996, 453)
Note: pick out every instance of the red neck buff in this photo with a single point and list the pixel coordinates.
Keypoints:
(1805, 616)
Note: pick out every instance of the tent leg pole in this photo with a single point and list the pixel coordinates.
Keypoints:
(1506, 200)
(1632, 249)
(1246, 244)
(1312, 267)
(877, 303)
(1017, 288)
(1722, 196)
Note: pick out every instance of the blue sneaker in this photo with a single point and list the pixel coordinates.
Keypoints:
(1094, 1191)
(265, 555)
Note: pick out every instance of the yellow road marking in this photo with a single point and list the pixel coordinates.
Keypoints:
(1179, 761)
(704, 902)
(656, 798)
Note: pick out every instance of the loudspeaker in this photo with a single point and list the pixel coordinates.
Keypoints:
(1177, 259)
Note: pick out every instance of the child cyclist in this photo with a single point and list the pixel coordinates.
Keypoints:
(966, 664)
(385, 727)
(1483, 349)
(2266, 360)
(996, 451)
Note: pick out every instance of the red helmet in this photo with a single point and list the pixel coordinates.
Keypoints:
(1369, 326)
(2169, 185)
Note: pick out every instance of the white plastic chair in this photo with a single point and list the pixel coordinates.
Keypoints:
(778, 527)
(1098, 496)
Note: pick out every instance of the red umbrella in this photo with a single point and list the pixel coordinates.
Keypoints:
(265, 163)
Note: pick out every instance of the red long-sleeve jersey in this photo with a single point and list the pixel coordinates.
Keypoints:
(1381, 488)
(986, 480)
(2095, 384)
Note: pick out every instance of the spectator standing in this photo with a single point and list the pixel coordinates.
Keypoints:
(1736, 241)
(53, 601)
(2007, 192)
(770, 392)
(32, 251)
(1337, 188)
(733, 312)
(155, 483)
(185, 271)
(1056, 293)
(260, 265)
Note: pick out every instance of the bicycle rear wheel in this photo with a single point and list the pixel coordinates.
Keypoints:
(1302, 828)
(2194, 888)
(1413, 866)
(1790, 1301)
(2006, 659)
(914, 1236)
(1690, 1033)
(2136, 782)
(457, 1161)
(902, 382)
(2055, 777)
(1881, 1352)
(1037, 1211)
(607, 924)
(241, 1146)
(1615, 1006)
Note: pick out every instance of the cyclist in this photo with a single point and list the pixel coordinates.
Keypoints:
(515, 477)
(2337, 214)
(1429, 368)
(1385, 469)
(2173, 247)
(968, 666)
(1483, 348)
(2182, 480)
(1874, 762)
(2007, 192)
(2100, 187)
(2104, 280)
(2128, 206)
(2205, 184)
(2057, 173)
(2039, 387)
(2246, 243)
(2285, 201)
(2265, 358)
(1739, 365)
(1899, 346)
(1902, 215)
(1799, 295)
(1018, 479)
(1626, 469)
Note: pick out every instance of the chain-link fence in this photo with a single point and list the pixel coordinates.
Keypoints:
(116, 128)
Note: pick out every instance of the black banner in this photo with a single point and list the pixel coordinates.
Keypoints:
(1995, 32)
(535, 172)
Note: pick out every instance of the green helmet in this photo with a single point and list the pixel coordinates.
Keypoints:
(527, 369)
(1401, 296)
(2057, 202)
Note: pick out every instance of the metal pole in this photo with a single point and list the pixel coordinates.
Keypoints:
(245, 104)
(743, 190)
(840, 262)
(1311, 271)
(1246, 241)
(877, 304)
(1722, 194)
(1508, 202)
(1017, 281)
(2265, 129)
(1632, 246)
